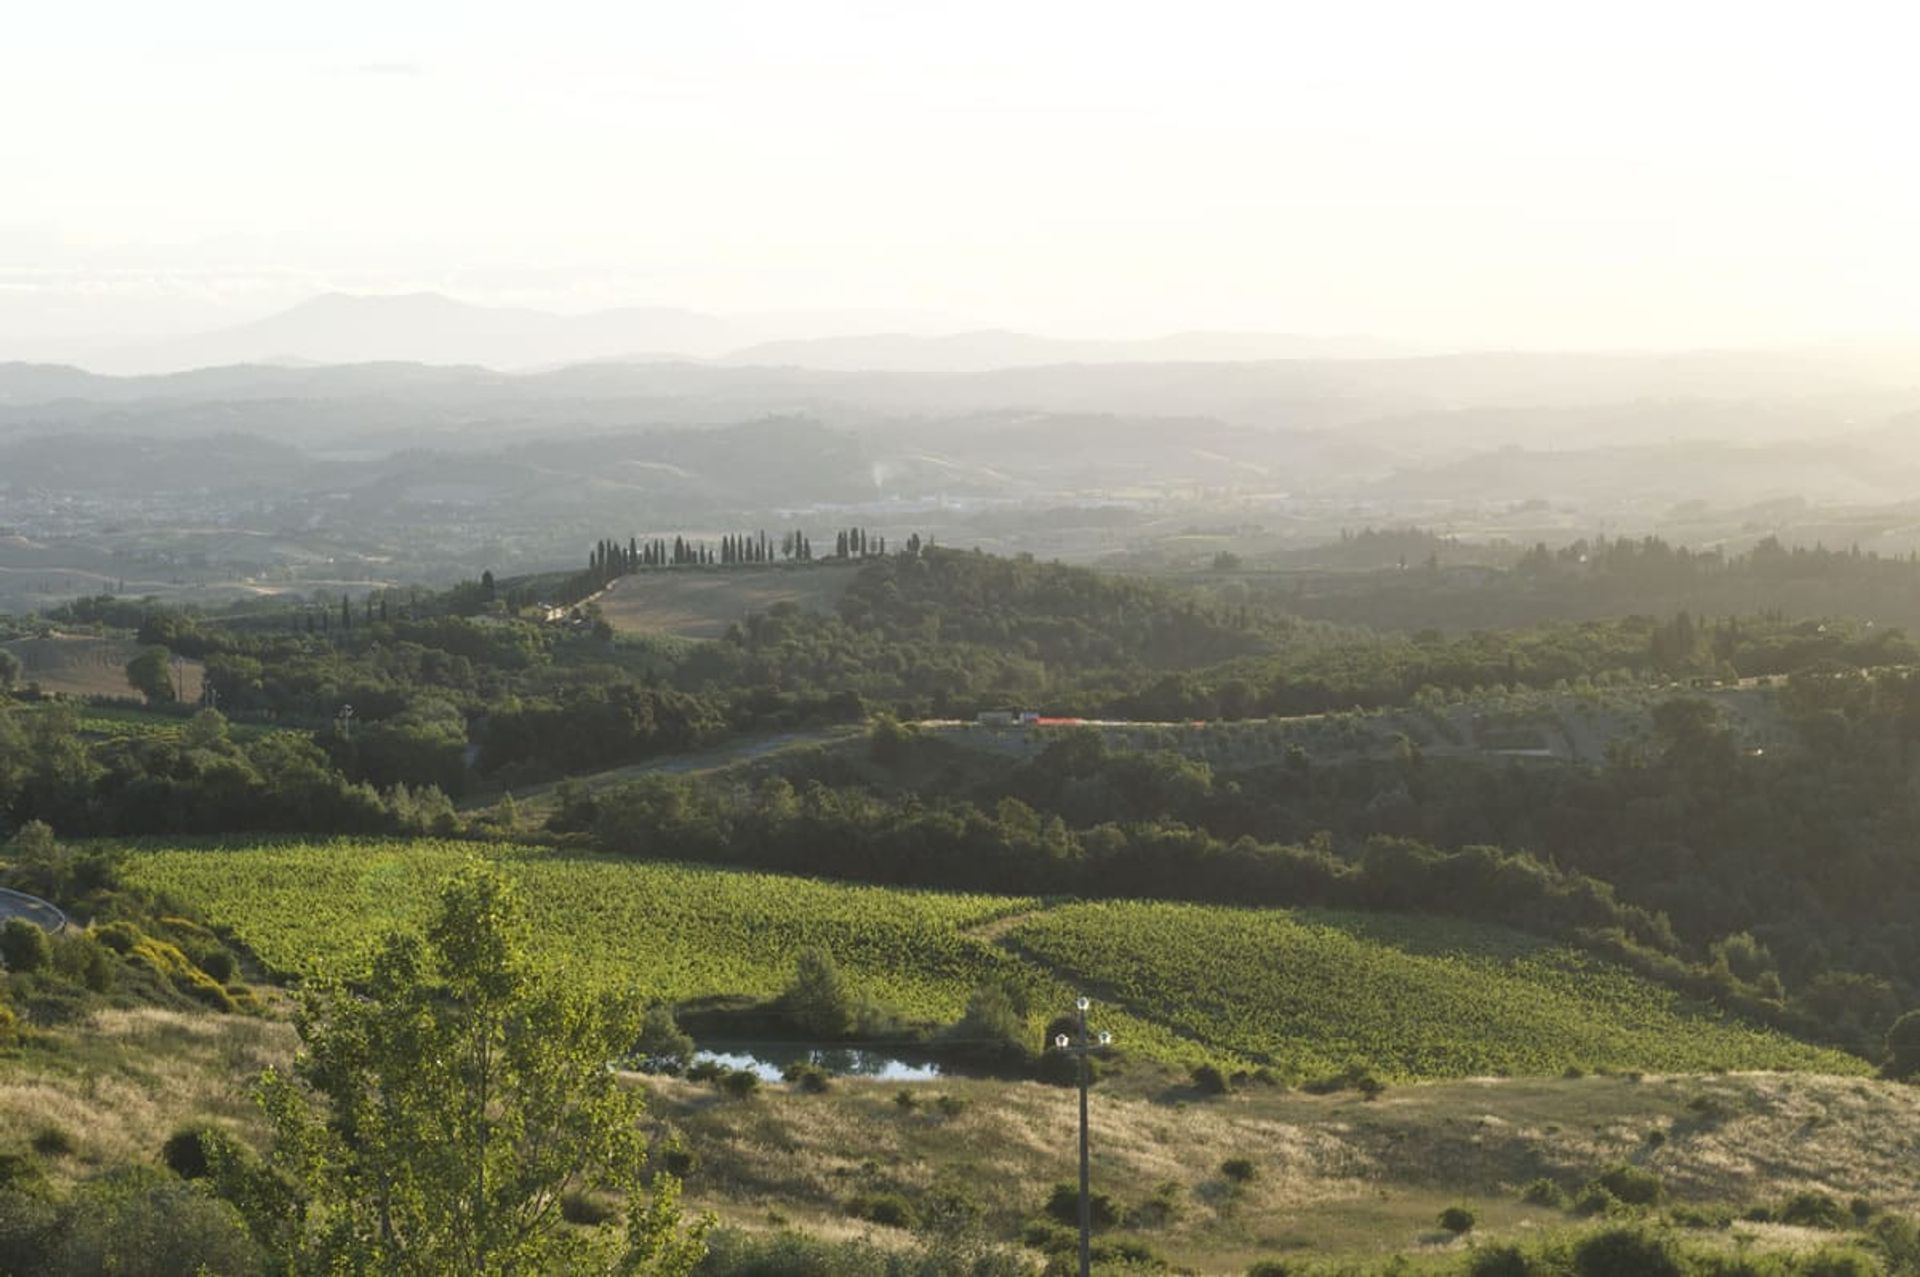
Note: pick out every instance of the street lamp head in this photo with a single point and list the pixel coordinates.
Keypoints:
(1106, 1038)
(1084, 1003)
(1060, 1040)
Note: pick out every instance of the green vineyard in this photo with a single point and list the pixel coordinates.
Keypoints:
(1310, 992)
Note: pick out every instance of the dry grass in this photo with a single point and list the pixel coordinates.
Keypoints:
(1335, 1174)
(120, 1084)
(701, 604)
(86, 665)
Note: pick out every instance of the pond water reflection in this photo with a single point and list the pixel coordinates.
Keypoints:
(770, 1060)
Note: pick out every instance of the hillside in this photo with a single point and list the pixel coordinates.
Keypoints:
(1310, 991)
(704, 604)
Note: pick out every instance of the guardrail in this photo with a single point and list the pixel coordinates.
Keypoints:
(18, 904)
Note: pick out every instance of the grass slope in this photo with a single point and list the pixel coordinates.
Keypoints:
(1408, 997)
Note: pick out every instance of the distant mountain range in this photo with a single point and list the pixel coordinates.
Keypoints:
(431, 328)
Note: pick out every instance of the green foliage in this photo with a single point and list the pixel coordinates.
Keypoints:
(1240, 1170)
(1457, 1220)
(1544, 1192)
(1627, 1252)
(1063, 1204)
(1903, 1046)
(1411, 997)
(1209, 1080)
(440, 1113)
(1632, 1185)
(662, 1047)
(817, 999)
(151, 674)
(24, 947)
(892, 1209)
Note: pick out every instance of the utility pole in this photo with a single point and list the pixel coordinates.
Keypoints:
(1080, 1047)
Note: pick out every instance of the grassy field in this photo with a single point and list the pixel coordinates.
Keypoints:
(702, 603)
(1312, 992)
(87, 665)
(1333, 1175)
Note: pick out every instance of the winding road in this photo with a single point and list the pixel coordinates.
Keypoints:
(18, 904)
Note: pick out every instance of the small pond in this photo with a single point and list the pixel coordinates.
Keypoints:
(770, 1060)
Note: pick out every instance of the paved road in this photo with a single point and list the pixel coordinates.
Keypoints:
(18, 904)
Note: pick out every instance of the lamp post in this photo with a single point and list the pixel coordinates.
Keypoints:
(1080, 1046)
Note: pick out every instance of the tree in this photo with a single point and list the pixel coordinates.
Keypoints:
(9, 670)
(441, 1111)
(817, 999)
(1903, 1046)
(151, 675)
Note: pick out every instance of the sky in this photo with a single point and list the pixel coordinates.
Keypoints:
(1522, 174)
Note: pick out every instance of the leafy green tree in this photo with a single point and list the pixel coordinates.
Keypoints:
(817, 999)
(25, 947)
(151, 675)
(439, 1113)
(9, 670)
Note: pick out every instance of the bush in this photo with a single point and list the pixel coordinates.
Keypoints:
(1240, 1170)
(1457, 1220)
(1626, 1252)
(890, 1209)
(1063, 1204)
(741, 1084)
(1595, 1200)
(807, 1077)
(951, 1105)
(663, 1047)
(132, 1225)
(1544, 1192)
(1504, 1260)
(1209, 1080)
(587, 1209)
(906, 1101)
(1842, 1262)
(219, 964)
(1815, 1210)
(1165, 1207)
(184, 1154)
(1633, 1186)
(52, 1141)
(83, 960)
(24, 947)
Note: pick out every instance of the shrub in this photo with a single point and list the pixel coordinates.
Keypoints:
(1633, 1186)
(705, 1070)
(184, 1154)
(807, 1077)
(1063, 1204)
(120, 937)
(24, 947)
(1504, 1260)
(1544, 1192)
(1165, 1207)
(663, 1047)
(1815, 1210)
(741, 1084)
(1595, 1200)
(1457, 1220)
(1240, 1170)
(588, 1209)
(80, 958)
(906, 1101)
(219, 964)
(951, 1105)
(51, 1141)
(133, 1225)
(1841, 1262)
(1626, 1252)
(1209, 1080)
(890, 1209)
(679, 1161)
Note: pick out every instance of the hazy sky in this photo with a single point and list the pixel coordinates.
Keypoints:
(1530, 173)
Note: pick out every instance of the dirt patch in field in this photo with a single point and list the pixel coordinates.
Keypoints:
(694, 603)
(87, 665)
